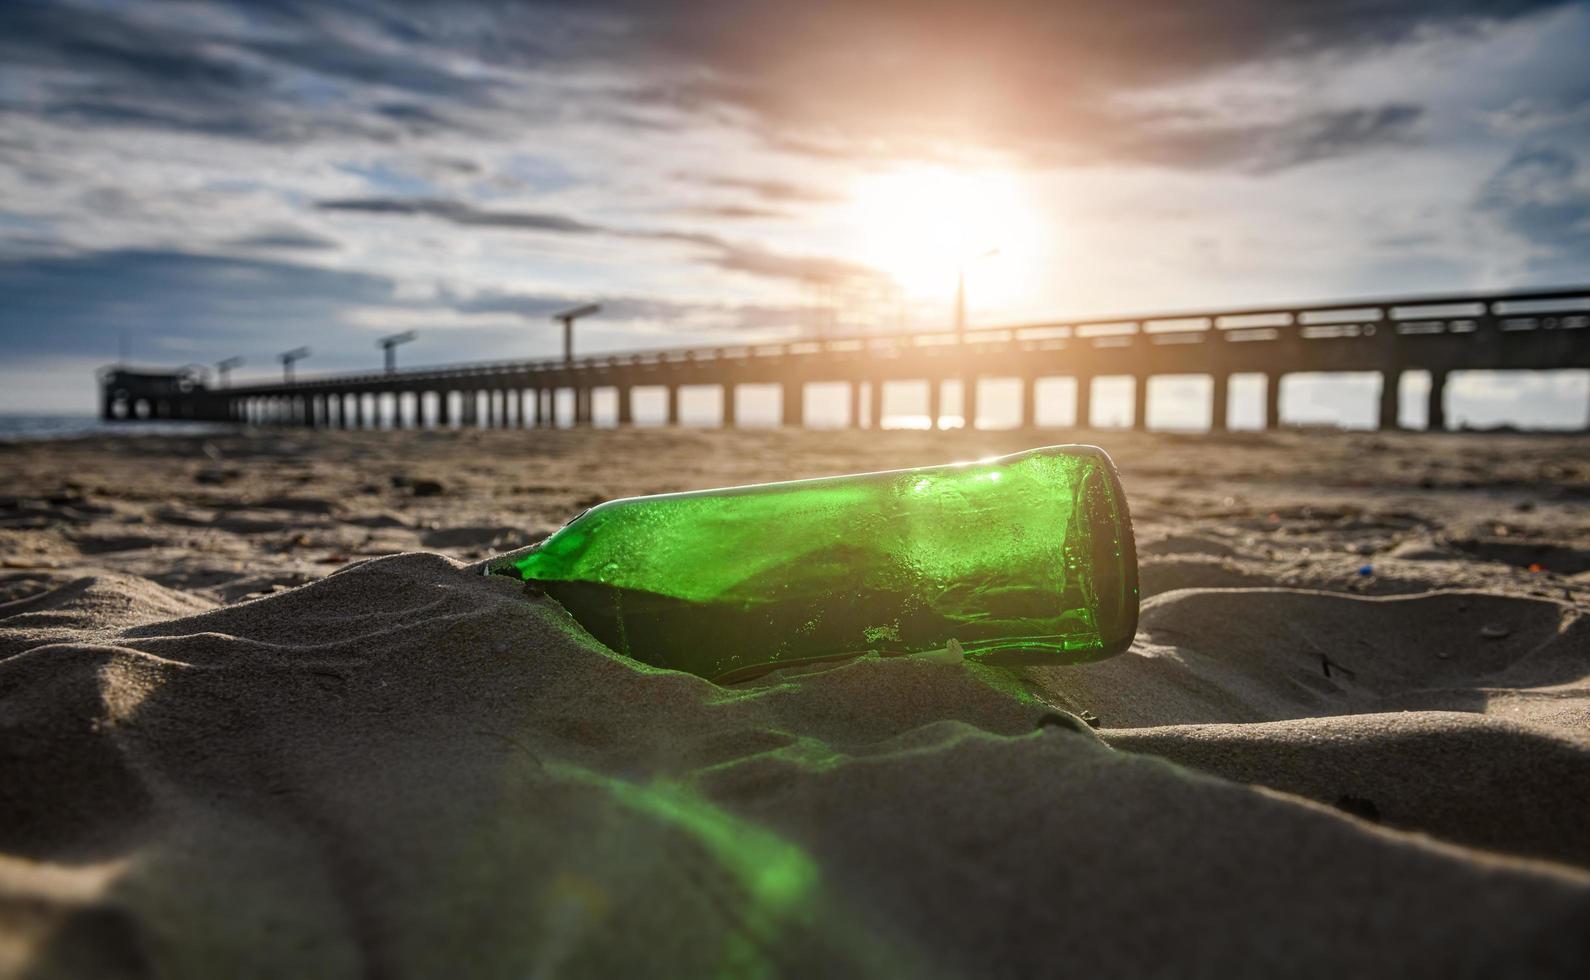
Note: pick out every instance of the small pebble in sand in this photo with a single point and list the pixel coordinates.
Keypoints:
(1494, 631)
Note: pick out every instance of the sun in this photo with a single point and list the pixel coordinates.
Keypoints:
(922, 226)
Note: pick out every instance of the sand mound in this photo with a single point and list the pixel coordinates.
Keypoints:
(1251, 655)
(419, 771)
(1462, 777)
(54, 607)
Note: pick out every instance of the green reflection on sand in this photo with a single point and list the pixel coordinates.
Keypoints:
(779, 878)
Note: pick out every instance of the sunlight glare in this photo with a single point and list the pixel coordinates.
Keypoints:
(921, 225)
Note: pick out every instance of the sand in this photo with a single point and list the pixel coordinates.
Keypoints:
(258, 718)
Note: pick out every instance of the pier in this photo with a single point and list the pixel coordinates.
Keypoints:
(1439, 335)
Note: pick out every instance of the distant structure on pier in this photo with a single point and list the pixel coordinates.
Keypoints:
(1519, 331)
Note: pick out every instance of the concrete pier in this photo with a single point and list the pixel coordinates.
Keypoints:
(1520, 331)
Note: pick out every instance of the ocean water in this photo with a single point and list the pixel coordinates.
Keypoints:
(15, 427)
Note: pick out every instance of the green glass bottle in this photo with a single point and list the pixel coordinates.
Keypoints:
(1023, 559)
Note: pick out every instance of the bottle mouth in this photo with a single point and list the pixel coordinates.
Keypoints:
(1114, 556)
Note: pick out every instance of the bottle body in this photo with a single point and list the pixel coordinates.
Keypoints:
(1021, 559)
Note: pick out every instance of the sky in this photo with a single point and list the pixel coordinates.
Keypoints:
(205, 180)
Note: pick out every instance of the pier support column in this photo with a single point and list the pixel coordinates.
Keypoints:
(582, 406)
(444, 409)
(969, 402)
(542, 411)
(794, 403)
(1435, 413)
(1390, 401)
(1272, 400)
(1140, 403)
(673, 404)
(1029, 403)
(358, 411)
(626, 405)
(524, 408)
(730, 409)
(1219, 401)
(875, 402)
(471, 412)
(1084, 402)
(934, 410)
(855, 405)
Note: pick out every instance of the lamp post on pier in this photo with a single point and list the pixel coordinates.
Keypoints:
(224, 369)
(567, 318)
(288, 359)
(390, 344)
(960, 290)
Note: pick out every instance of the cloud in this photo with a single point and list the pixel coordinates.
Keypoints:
(1541, 195)
(79, 305)
(778, 191)
(459, 213)
(823, 76)
(721, 253)
(1280, 146)
(1025, 77)
(736, 212)
(208, 307)
(287, 238)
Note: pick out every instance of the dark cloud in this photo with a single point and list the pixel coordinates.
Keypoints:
(1538, 196)
(175, 307)
(538, 306)
(459, 213)
(125, 66)
(1279, 146)
(798, 268)
(778, 191)
(342, 57)
(870, 48)
(287, 238)
(1024, 75)
(822, 76)
(736, 212)
(80, 304)
(720, 252)
(633, 309)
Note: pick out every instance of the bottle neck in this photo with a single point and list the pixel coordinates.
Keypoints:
(512, 563)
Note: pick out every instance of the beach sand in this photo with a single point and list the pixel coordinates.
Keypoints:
(258, 719)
